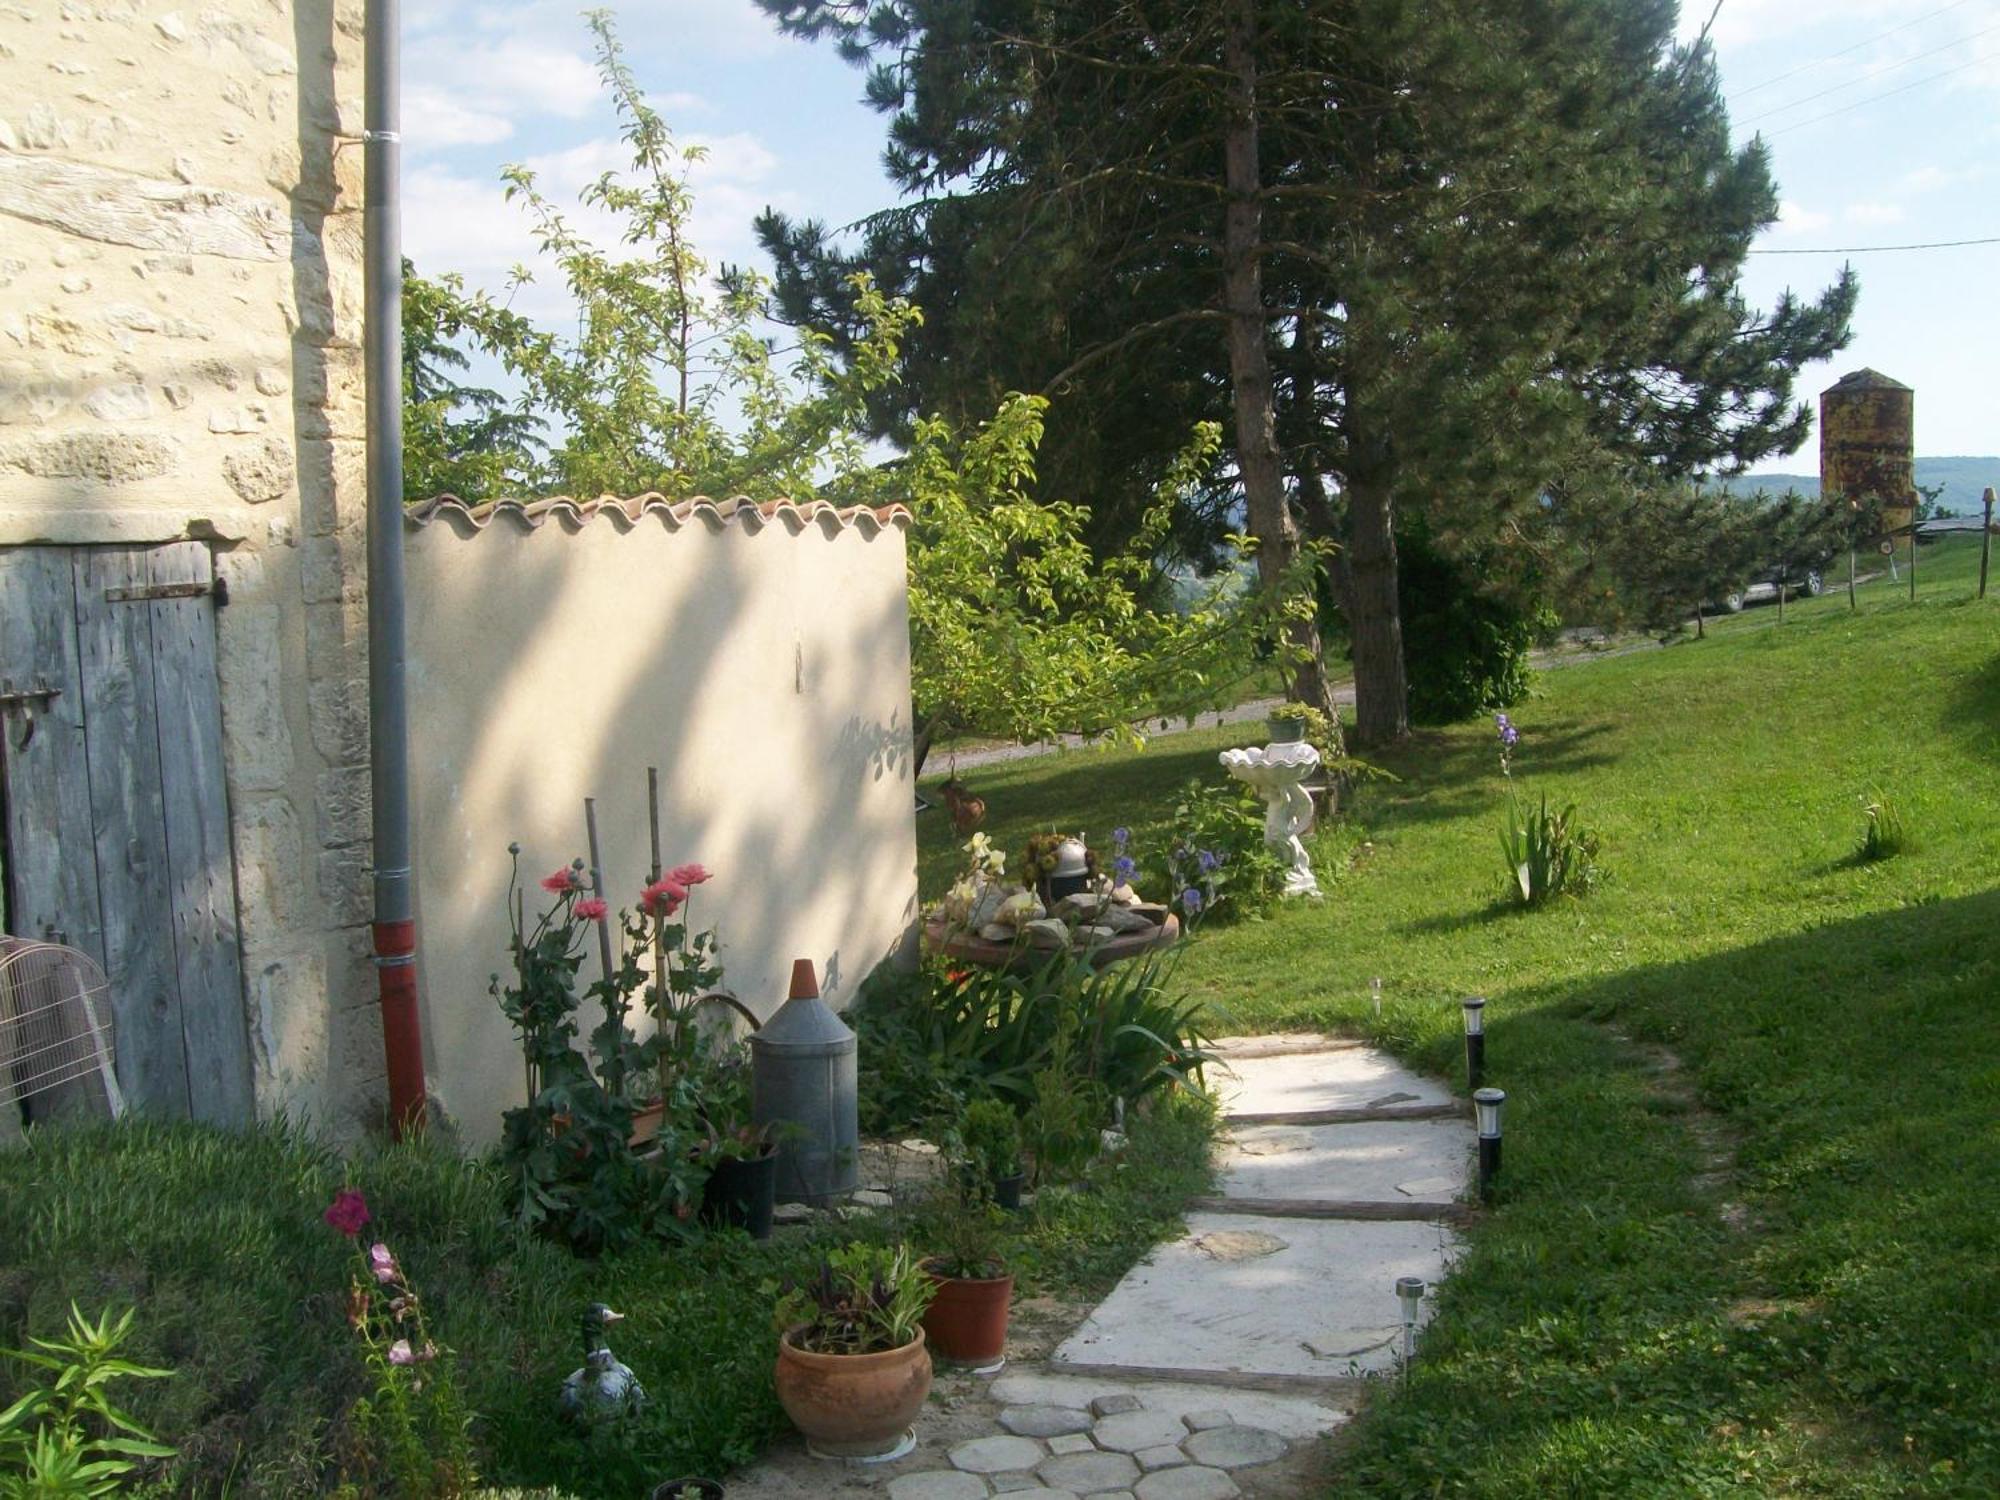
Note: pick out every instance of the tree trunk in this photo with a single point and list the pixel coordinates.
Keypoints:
(1249, 360)
(1374, 614)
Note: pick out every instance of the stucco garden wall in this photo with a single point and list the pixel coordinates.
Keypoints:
(180, 321)
(758, 656)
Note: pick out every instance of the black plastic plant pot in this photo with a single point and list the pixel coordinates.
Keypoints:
(1066, 885)
(691, 1489)
(740, 1193)
(1007, 1191)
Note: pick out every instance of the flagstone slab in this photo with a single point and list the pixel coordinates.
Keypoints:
(1303, 1082)
(1426, 1161)
(1323, 1306)
(1298, 1417)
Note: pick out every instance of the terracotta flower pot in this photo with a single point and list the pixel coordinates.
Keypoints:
(967, 1320)
(853, 1405)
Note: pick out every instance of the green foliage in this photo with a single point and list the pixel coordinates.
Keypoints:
(946, 1035)
(63, 1436)
(1884, 837)
(1066, 1113)
(1466, 647)
(989, 1134)
(1215, 848)
(962, 1234)
(1548, 853)
(861, 1299)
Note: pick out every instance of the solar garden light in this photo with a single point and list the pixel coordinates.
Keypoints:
(1410, 1292)
(1475, 1041)
(1486, 1106)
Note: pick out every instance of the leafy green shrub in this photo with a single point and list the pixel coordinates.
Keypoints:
(1466, 649)
(64, 1437)
(990, 1135)
(1216, 850)
(945, 1035)
(1886, 835)
(1548, 852)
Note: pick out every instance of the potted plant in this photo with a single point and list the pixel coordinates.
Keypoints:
(688, 1489)
(966, 1322)
(989, 1135)
(853, 1369)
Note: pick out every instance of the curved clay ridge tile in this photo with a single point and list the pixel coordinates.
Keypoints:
(750, 514)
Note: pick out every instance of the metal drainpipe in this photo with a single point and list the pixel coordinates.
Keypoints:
(395, 930)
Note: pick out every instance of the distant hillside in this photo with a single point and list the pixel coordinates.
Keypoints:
(1964, 480)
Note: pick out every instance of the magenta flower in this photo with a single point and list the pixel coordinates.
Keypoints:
(348, 1211)
(663, 897)
(591, 909)
(688, 875)
(382, 1263)
(562, 880)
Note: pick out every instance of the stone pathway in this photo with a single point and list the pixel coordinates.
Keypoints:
(1215, 1365)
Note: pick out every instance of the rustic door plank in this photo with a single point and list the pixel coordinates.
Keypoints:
(52, 865)
(202, 876)
(52, 875)
(115, 648)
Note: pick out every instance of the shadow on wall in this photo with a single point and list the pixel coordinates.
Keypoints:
(761, 665)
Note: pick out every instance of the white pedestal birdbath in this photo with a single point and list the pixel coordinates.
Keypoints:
(1276, 771)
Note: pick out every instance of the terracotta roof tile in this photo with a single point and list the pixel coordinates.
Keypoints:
(752, 515)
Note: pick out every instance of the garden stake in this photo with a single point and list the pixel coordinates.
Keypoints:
(1486, 1103)
(1985, 539)
(1475, 1042)
(597, 884)
(659, 953)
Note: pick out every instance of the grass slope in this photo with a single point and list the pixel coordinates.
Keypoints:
(1746, 1240)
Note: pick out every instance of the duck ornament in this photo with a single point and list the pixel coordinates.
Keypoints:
(603, 1390)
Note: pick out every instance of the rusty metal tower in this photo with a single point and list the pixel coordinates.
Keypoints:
(1867, 446)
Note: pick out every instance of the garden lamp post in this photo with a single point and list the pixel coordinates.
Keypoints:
(1410, 1293)
(1475, 1041)
(1486, 1106)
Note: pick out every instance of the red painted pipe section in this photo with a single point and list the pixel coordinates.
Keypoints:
(402, 1034)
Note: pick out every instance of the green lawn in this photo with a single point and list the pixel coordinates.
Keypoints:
(1763, 1260)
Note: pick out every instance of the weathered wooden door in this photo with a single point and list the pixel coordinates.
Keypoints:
(117, 815)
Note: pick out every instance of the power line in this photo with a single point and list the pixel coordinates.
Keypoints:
(1881, 249)
(1872, 73)
(1885, 94)
(1806, 67)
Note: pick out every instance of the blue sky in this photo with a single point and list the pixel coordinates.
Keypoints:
(1880, 114)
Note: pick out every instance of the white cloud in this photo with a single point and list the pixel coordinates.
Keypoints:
(433, 118)
(1873, 212)
(1796, 218)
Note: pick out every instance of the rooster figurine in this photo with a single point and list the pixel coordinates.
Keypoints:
(603, 1390)
(967, 811)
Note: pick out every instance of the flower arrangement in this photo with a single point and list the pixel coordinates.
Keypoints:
(569, 1147)
(415, 1422)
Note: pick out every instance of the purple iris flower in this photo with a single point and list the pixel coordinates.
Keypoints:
(1121, 836)
(1124, 867)
(1191, 901)
(1209, 860)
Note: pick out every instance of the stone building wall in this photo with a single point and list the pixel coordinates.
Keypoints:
(180, 324)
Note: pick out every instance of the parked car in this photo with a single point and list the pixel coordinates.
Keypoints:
(1809, 582)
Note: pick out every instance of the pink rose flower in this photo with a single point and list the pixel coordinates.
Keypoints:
(348, 1211)
(663, 897)
(560, 881)
(591, 909)
(688, 875)
(382, 1263)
